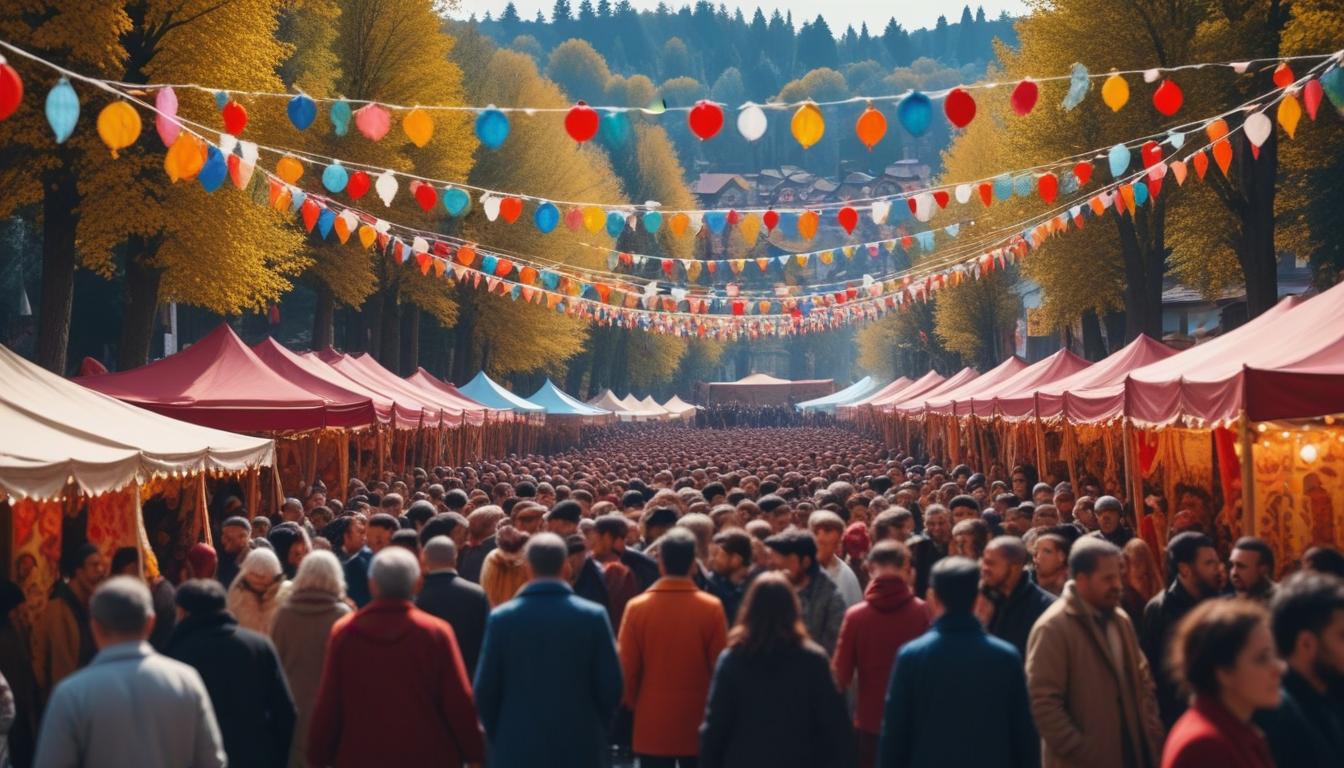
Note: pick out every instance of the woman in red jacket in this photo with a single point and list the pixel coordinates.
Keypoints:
(1223, 653)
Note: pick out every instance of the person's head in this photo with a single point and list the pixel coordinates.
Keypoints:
(1043, 493)
(609, 532)
(201, 562)
(121, 611)
(676, 552)
(125, 562)
(937, 524)
(890, 558)
(353, 539)
(1193, 560)
(450, 524)
(527, 516)
(1022, 481)
(731, 553)
(953, 585)
(776, 510)
(379, 532)
(1094, 566)
(963, 507)
(200, 597)
(1002, 564)
(320, 571)
(1324, 560)
(260, 569)
(391, 504)
(1045, 516)
(1051, 557)
(769, 617)
(793, 553)
(548, 556)
(291, 545)
(656, 521)
(702, 527)
(1084, 512)
(233, 535)
(394, 574)
(563, 519)
(827, 527)
(291, 511)
(1308, 613)
(1108, 510)
(1223, 649)
(1251, 565)
(419, 513)
(1064, 500)
(439, 554)
(969, 538)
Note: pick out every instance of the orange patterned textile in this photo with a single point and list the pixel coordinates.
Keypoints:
(1299, 492)
(114, 522)
(37, 552)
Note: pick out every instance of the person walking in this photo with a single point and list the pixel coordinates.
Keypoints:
(1091, 690)
(242, 674)
(1195, 571)
(1223, 655)
(772, 700)
(873, 632)
(730, 562)
(255, 592)
(452, 598)
(130, 702)
(504, 571)
(548, 680)
(669, 641)
(957, 667)
(63, 636)
(1018, 602)
(794, 553)
(300, 630)
(16, 666)
(235, 542)
(394, 690)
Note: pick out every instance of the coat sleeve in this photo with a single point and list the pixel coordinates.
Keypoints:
(489, 678)
(629, 645)
(893, 743)
(281, 705)
(1149, 711)
(842, 665)
(835, 616)
(209, 751)
(324, 728)
(606, 670)
(56, 645)
(455, 705)
(1047, 685)
(58, 742)
(720, 709)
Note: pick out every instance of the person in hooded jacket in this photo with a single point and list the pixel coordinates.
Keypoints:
(241, 672)
(255, 592)
(872, 634)
(300, 630)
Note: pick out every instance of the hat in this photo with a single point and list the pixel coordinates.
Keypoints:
(569, 511)
(855, 541)
(203, 560)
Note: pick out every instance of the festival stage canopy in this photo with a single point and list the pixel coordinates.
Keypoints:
(557, 403)
(484, 390)
(856, 391)
(763, 389)
(60, 431)
(218, 382)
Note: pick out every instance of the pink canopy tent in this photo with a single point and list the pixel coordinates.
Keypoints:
(1207, 383)
(946, 403)
(950, 384)
(321, 380)
(1041, 373)
(218, 382)
(926, 383)
(446, 392)
(895, 386)
(432, 414)
(1048, 400)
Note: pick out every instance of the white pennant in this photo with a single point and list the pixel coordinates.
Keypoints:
(1258, 128)
(248, 151)
(349, 218)
(881, 209)
(963, 193)
(490, 205)
(382, 226)
(420, 245)
(386, 187)
(227, 142)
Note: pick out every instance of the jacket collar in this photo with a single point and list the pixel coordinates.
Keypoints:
(674, 584)
(131, 649)
(959, 622)
(540, 587)
(388, 606)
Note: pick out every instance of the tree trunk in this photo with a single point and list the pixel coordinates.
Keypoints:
(142, 301)
(463, 336)
(389, 331)
(60, 216)
(1093, 346)
(1143, 248)
(410, 338)
(1114, 322)
(324, 314)
(1256, 251)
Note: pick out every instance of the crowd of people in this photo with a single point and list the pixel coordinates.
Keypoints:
(734, 415)
(674, 597)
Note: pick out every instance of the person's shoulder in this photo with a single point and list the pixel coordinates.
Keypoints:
(251, 639)
(1001, 649)
(1195, 741)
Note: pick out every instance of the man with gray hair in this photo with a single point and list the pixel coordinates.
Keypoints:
(130, 703)
(390, 651)
(548, 645)
(450, 597)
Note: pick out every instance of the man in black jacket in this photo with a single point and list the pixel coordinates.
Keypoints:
(931, 546)
(242, 674)
(452, 598)
(1307, 729)
(1193, 561)
(1017, 601)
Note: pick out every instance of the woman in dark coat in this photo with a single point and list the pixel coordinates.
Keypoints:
(772, 701)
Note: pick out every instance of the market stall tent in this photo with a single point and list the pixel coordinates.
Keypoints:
(680, 408)
(650, 405)
(60, 432)
(944, 402)
(854, 392)
(1048, 400)
(764, 389)
(557, 403)
(431, 414)
(1040, 373)
(321, 380)
(484, 390)
(926, 384)
(426, 380)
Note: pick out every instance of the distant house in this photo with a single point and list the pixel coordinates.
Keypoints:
(909, 175)
(722, 190)
(856, 185)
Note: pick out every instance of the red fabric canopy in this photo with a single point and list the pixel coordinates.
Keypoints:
(1041, 373)
(925, 383)
(950, 384)
(1048, 401)
(218, 382)
(320, 379)
(946, 403)
(453, 411)
(869, 399)
(475, 410)
(432, 415)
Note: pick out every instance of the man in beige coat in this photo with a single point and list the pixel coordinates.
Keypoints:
(1092, 694)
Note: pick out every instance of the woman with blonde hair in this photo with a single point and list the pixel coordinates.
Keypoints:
(1142, 579)
(315, 601)
(256, 590)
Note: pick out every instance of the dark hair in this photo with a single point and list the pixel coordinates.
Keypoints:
(385, 521)
(1260, 547)
(123, 557)
(770, 502)
(1028, 472)
(956, 582)
(1210, 638)
(713, 489)
(455, 499)
(1182, 549)
(442, 524)
(1304, 602)
(676, 551)
(74, 559)
(282, 538)
(569, 511)
(660, 517)
(735, 542)
(407, 539)
(612, 525)
(1012, 548)
(794, 542)
(1324, 560)
(769, 617)
(631, 499)
(1085, 555)
(964, 500)
(525, 490)
(200, 596)
(419, 512)
(889, 552)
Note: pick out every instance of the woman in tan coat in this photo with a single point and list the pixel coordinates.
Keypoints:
(505, 571)
(300, 630)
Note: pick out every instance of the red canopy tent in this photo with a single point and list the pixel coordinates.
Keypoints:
(455, 412)
(895, 386)
(950, 384)
(1041, 373)
(428, 381)
(946, 403)
(1048, 400)
(432, 414)
(295, 366)
(218, 382)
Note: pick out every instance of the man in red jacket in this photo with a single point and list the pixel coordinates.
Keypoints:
(873, 631)
(394, 688)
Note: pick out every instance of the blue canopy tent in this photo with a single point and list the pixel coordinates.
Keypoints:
(557, 403)
(484, 390)
(856, 391)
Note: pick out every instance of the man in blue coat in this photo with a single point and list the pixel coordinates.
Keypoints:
(548, 680)
(957, 667)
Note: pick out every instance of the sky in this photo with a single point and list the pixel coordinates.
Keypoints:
(911, 14)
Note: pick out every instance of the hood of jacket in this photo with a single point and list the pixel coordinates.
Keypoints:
(888, 594)
(384, 622)
(312, 602)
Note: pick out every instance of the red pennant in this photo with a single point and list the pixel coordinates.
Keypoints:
(235, 118)
(581, 122)
(941, 197)
(959, 107)
(1283, 75)
(1024, 97)
(358, 185)
(309, 211)
(1151, 153)
(1201, 162)
(1083, 173)
(770, 219)
(986, 193)
(1168, 98)
(510, 208)
(848, 218)
(1047, 186)
(1311, 97)
(425, 195)
(705, 119)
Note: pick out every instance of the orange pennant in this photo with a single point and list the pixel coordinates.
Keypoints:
(1222, 154)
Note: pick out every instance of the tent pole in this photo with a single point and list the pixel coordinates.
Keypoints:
(1247, 476)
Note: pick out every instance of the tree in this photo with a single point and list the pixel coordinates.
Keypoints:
(561, 12)
(578, 69)
(896, 41)
(968, 38)
(816, 45)
(675, 60)
(976, 319)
